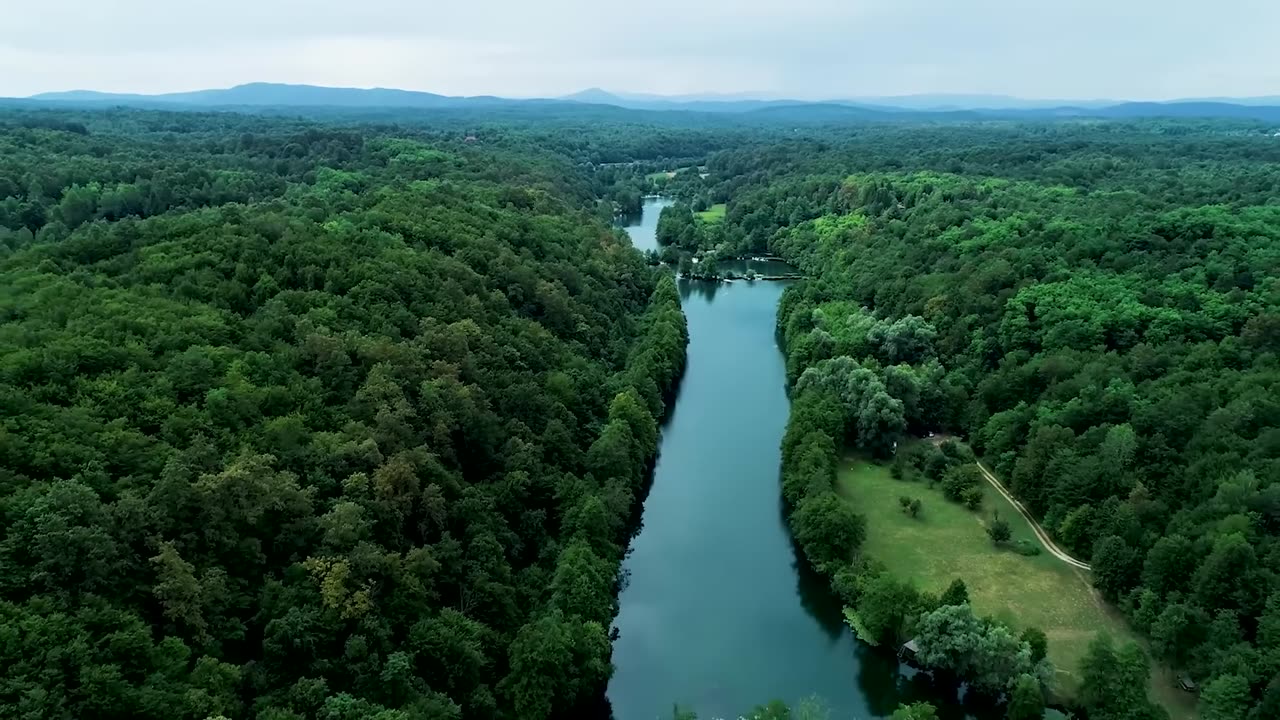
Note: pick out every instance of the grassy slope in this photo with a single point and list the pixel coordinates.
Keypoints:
(713, 214)
(949, 541)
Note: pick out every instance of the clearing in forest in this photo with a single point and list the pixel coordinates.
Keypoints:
(948, 541)
(713, 214)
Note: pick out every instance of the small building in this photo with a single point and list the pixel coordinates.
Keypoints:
(909, 650)
(1186, 683)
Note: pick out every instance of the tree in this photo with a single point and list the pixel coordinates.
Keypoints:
(827, 528)
(1226, 697)
(972, 498)
(952, 638)
(955, 594)
(907, 340)
(1226, 578)
(999, 530)
(1169, 564)
(1115, 682)
(959, 479)
(1035, 638)
(583, 584)
(554, 661)
(880, 421)
(1115, 567)
(915, 711)
(1026, 699)
(914, 508)
(884, 605)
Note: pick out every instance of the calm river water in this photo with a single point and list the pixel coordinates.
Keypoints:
(719, 614)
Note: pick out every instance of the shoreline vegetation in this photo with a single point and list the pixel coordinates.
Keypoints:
(864, 378)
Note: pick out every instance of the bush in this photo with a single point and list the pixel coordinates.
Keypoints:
(999, 530)
(936, 464)
(1029, 548)
(956, 452)
(972, 498)
(959, 479)
(910, 505)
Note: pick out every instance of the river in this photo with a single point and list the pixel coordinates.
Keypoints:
(718, 613)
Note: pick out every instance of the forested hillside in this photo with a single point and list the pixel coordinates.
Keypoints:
(310, 421)
(1096, 309)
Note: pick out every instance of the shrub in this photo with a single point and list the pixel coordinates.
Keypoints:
(896, 470)
(999, 530)
(972, 498)
(959, 479)
(1030, 548)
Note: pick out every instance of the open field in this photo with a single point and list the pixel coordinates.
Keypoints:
(948, 541)
(713, 214)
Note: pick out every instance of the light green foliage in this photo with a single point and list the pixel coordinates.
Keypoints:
(915, 711)
(952, 638)
(713, 214)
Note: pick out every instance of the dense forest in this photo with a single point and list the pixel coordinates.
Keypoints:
(1095, 309)
(350, 416)
(314, 421)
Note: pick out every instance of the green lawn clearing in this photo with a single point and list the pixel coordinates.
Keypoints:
(713, 214)
(948, 540)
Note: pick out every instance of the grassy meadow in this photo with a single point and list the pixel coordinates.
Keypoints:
(947, 540)
(713, 214)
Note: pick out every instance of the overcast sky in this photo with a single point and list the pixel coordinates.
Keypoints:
(1079, 49)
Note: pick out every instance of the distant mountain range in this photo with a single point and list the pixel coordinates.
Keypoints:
(275, 94)
(886, 107)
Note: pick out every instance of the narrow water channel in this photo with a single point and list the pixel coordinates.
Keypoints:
(718, 613)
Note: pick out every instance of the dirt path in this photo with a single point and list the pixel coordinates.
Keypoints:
(1035, 526)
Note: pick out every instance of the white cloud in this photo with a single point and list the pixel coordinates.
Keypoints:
(803, 48)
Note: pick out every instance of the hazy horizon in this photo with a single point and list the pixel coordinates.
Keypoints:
(802, 49)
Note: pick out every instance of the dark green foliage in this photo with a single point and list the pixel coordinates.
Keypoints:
(1026, 699)
(972, 498)
(1226, 697)
(827, 528)
(955, 594)
(1115, 682)
(999, 530)
(1027, 547)
(1038, 642)
(1115, 567)
(1096, 315)
(959, 480)
(885, 606)
(301, 421)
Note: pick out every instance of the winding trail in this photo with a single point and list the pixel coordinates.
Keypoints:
(1035, 526)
